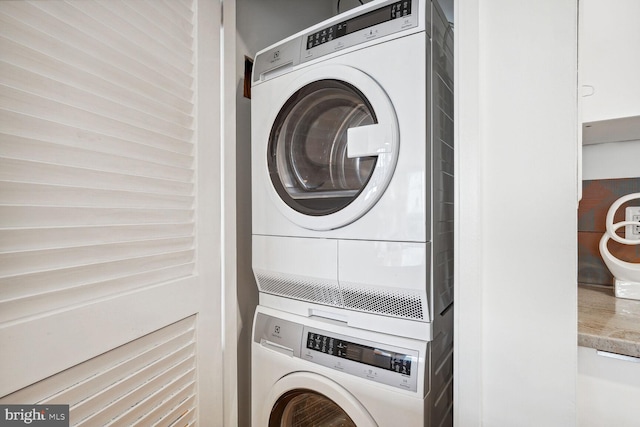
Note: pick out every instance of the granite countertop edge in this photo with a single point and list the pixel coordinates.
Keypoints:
(608, 323)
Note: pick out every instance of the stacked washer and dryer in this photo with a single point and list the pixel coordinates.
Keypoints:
(352, 191)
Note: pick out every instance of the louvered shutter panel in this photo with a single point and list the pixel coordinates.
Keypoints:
(148, 382)
(96, 150)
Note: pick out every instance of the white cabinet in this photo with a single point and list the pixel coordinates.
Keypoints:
(608, 390)
(609, 65)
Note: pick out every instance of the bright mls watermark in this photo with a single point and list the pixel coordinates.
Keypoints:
(34, 415)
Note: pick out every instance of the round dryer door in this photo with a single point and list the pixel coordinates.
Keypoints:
(305, 399)
(332, 148)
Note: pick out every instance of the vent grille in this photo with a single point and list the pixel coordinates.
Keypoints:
(300, 288)
(389, 302)
(149, 381)
(394, 303)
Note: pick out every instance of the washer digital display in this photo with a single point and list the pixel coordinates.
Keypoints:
(380, 358)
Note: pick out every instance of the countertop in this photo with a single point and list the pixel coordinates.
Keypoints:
(608, 323)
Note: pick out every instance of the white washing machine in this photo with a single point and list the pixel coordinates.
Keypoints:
(315, 372)
(352, 168)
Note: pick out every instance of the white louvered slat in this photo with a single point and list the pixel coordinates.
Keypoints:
(77, 393)
(176, 409)
(18, 263)
(182, 415)
(91, 43)
(151, 378)
(170, 26)
(97, 188)
(51, 291)
(140, 19)
(39, 108)
(183, 9)
(117, 398)
(172, 19)
(154, 345)
(50, 195)
(55, 216)
(32, 172)
(151, 396)
(44, 152)
(67, 94)
(133, 32)
(42, 63)
(47, 238)
(119, 43)
(85, 275)
(27, 38)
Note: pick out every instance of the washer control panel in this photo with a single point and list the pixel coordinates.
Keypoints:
(372, 356)
(385, 364)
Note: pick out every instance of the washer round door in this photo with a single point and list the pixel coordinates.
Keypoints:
(305, 399)
(332, 148)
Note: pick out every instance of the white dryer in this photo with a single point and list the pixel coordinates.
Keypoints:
(314, 372)
(352, 168)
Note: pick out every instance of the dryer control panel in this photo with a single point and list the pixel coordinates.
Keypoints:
(361, 25)
(390, 12)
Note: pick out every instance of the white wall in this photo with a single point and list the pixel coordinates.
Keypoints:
(516, 269)
(611, 160)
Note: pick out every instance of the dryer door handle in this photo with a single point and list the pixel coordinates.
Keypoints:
(370, 140)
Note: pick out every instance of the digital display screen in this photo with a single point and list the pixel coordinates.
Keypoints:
(369, 19)
(372, 356)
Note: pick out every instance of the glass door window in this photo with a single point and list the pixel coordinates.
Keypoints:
(308, 158)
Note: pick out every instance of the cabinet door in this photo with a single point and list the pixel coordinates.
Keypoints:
(609, 59)
(608, 389)
(608, 65)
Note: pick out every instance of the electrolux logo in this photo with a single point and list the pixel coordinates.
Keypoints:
(275, 57)
(35, 415)
(275, 334)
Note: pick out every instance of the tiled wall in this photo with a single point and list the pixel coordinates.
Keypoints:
(597, 197)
